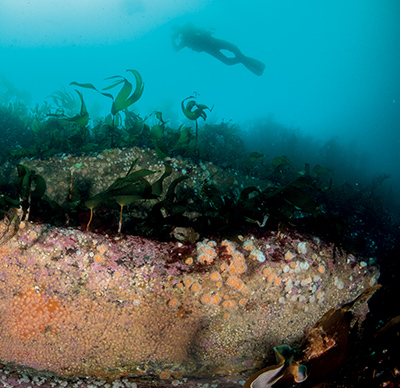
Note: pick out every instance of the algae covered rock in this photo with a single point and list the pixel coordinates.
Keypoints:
(79, 304)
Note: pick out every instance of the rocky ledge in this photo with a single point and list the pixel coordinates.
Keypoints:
(82, 308)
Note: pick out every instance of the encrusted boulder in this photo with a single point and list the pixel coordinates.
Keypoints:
(79, 304)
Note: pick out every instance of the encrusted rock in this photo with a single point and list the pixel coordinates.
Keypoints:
(80, 304)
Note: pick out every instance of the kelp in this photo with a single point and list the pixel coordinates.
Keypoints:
(157, 186)
(125, 97)
(281, 162)
(57, 133)
(192, 110)
(302, 198)
(304, 203)
(322, 352)
(132, 187)
(255, 156)
(167, 141)
(325, 345)
(168, 211)
(222, 212)
(175, 141)
(29, 198)
(121, 102)
(286, 371)
(82, 118)
(11, 222)
(30, 186)
(64, 100)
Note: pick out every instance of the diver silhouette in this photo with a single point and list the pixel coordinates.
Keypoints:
(201, 40)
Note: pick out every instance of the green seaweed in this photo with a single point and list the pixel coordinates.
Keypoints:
(302, 198)
(168, 141)
(125, 97)
(82, 118)
(110, 129)
(255, 156)
(132, 187)
(157, 186)
(64, 100)
(192, 110)
(30, 186)
(168, 211)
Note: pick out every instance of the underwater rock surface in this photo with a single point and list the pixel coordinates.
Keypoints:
(80, 304)
(99, 171)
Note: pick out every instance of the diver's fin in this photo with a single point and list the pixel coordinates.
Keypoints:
(254, 65)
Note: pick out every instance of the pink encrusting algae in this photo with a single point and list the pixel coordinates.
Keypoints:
(80, 304)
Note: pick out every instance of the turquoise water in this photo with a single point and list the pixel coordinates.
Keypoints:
(331, 70)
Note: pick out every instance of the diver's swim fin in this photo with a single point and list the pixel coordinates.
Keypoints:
(254, 65)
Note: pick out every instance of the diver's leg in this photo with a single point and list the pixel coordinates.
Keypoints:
(215, 47)
(225, 59)
(233, 55)
(254, 65)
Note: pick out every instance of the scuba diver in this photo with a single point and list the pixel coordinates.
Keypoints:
(201, 40)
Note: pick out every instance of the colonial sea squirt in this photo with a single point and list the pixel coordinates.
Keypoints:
(82, 304)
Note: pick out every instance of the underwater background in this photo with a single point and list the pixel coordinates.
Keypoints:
(326, 108)
(329, 94)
